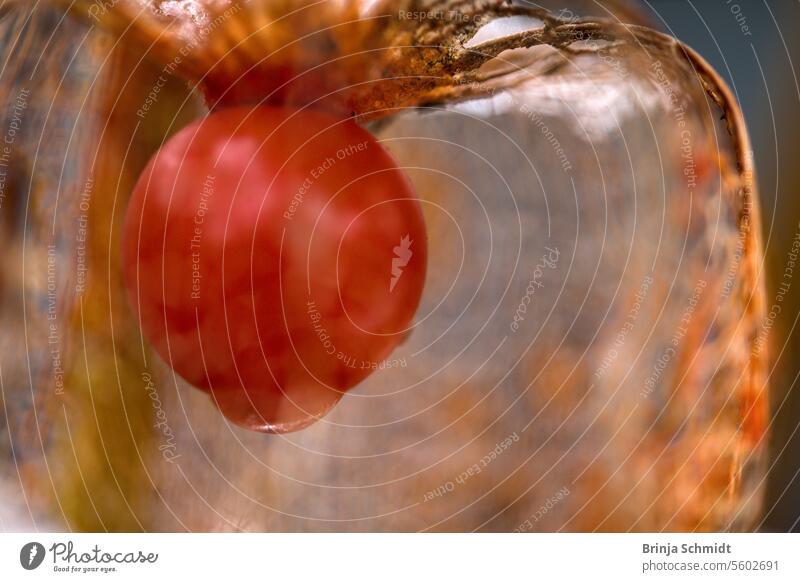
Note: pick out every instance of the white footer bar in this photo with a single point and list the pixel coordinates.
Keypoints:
(353, 557)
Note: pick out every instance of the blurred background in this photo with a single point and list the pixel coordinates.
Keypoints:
(755, 46)
(105, 482)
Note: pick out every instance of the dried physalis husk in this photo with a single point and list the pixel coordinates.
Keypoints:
(340, 53)
(357, 57)
(595, 305)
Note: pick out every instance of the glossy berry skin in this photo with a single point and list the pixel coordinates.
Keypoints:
(275, 257)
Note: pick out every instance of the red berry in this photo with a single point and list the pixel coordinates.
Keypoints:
(275, 257)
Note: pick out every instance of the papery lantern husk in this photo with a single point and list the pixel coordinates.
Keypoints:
(595, 172)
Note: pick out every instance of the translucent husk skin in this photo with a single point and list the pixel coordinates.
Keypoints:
(692, 457)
